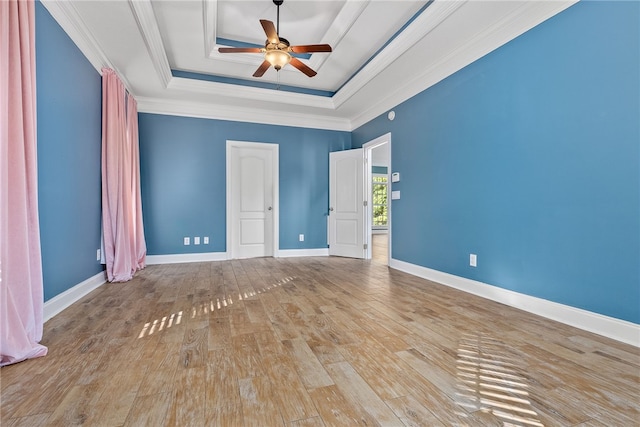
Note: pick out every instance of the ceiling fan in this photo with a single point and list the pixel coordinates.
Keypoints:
(277, 50)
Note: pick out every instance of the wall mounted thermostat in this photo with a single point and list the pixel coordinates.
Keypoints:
(395, 177)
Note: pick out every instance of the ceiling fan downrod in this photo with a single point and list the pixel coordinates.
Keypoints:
(278, 3)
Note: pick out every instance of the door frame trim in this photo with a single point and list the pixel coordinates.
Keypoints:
(275, 149)
(381, 140)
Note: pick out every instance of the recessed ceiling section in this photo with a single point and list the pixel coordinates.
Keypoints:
(356, 30)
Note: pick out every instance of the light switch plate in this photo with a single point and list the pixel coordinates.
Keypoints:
(395, 195)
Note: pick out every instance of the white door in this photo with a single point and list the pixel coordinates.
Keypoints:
(346, 211)
(251, 199)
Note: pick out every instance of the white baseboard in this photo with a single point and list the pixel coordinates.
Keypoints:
(290, 253)
(180, 258)
(609, 327)
(61, 301)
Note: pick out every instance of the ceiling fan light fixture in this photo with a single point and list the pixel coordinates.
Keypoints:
(277, 58)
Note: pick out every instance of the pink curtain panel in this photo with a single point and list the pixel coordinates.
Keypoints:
(124, 244)
(21, 288)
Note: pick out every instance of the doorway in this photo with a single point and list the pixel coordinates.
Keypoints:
(252, 199)
(378, 190)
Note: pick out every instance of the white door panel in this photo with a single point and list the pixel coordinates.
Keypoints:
(346, 213)
(252, 198)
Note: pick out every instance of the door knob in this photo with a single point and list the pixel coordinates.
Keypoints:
(269, 208)
(330, 209)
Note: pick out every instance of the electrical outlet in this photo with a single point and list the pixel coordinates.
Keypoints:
(187, 241)
(301, 237)
(205, 240)
(98, 255)
(473, 260)
(196, 240)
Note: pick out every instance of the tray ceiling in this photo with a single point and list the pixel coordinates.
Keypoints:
(384, 51)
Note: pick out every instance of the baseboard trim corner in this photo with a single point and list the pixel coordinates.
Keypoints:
(61, 301)
(610, 327)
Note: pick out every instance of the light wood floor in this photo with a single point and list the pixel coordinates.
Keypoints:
(380, 248)
(313, 342)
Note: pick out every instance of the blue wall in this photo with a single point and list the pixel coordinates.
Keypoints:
(530, 159)
(69, 138)
(183, 175)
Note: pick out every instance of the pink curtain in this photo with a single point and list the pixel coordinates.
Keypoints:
(21, 292)
(124, 245)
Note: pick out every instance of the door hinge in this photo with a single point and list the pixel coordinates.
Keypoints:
(365, 203)
(365, 246)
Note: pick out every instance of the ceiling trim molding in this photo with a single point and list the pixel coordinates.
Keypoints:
(66, 15)
(248, 92)
(348, 15)
(238, 114)
(429, 19)
(209, 25)
(146, 19)
(71, 22)
(529, 15)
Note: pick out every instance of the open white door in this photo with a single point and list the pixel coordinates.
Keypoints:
(346, 212)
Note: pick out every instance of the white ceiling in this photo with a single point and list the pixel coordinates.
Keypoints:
(384, 51)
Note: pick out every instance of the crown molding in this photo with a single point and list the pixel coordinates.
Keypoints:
(239, 114)
(145, 18)
(251, 93)
(69, 19)
(429, 19)
(66, 15)
(529, 15)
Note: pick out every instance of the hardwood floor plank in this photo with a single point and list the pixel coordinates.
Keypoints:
(308, 422)
(356, 390)
(412, 413)
(39, 420)
(309, 368)
(259, 407)
(292, 397)
(336, 411)
(246, 354)
(149, 410)
(188, 404)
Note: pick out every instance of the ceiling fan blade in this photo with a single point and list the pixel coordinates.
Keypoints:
(302, 67)
(270, 31)
(239, 49)
(309, 48)
(262, 69)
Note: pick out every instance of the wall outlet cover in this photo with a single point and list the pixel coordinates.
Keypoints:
(187, 241)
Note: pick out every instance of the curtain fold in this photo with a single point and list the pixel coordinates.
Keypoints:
(123, 234)
(21, 283)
